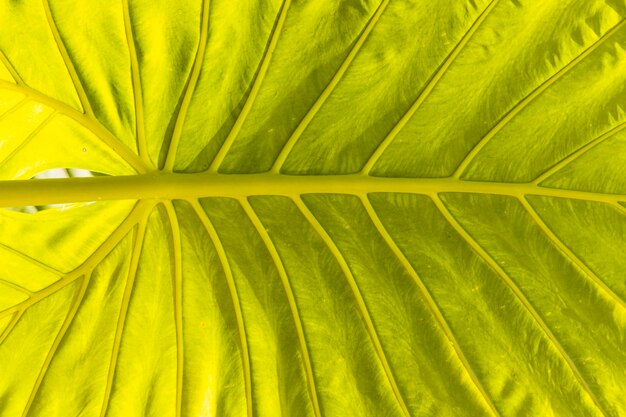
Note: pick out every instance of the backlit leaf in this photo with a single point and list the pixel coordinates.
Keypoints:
(313, 208)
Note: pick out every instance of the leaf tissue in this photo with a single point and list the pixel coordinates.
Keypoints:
(395, 208)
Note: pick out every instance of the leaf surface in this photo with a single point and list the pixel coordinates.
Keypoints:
(390, 208)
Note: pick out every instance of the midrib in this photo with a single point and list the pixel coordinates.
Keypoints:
(169, 186)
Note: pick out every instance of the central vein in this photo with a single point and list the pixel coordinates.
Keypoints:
(169, 186)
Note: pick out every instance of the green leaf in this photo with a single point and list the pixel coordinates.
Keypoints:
(313, 208)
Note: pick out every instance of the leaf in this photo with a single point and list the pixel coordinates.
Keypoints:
(357, 207)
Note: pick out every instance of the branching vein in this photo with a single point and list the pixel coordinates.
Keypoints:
(7, 330)
(15, 287)
(14, 109)
(619, 207)
(142, 146)
(437, 76)
(105, 248)
(304, 123)
(32, 135)
(369, 324)
(89, 123)
(587, 272)
(190, 87)
(293, 306)
(78, 86)
(221, 253)
(138, 240)
(78, 298)
(579, 153)
(520, 296)
(177, 286)
(254, 91)
(32, 261)
(458, 173)
(429, 300)
(9, 67)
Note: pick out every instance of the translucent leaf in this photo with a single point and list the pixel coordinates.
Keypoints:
(313, 208)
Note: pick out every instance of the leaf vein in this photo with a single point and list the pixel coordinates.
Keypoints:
(241, 327)
(15, 286)
(105, 248)
(491, 262)
(563, 248)
(69, 66)
(362, 306)
(306, 120)
(14, 109)
(429, 300)
(90, 124)
(189, 88)
(177, 286)
(579, 153)
(5, 61)
(142, 146)
(32, 135)
(7, 330)
(430, 86)
(293, 306)
(138, 241)
(69, 318)
(540, 89)
(32, 260)
(256, 86)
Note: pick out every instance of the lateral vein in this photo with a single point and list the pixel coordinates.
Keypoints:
(520, 296)
(232, 288)
(177, 285)
(587, 272)
(32, 135)
(358, 296)
(9, 327)
(15, 108)
(32, 261)
(293, 306)
(99, 254)
(540, 89)
(15, 287)
(579, 153)
(88, 123)
(256, 86)
(5, 61)
(189, 88)
(430, 86)
(138, 240)
(69, 66)
(69, 318)
(304, 123)
(142, 146)
(430, 302)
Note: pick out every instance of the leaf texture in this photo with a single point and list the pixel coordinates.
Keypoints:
(360, 207)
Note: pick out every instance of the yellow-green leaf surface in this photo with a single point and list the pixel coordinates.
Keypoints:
(313, 208)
